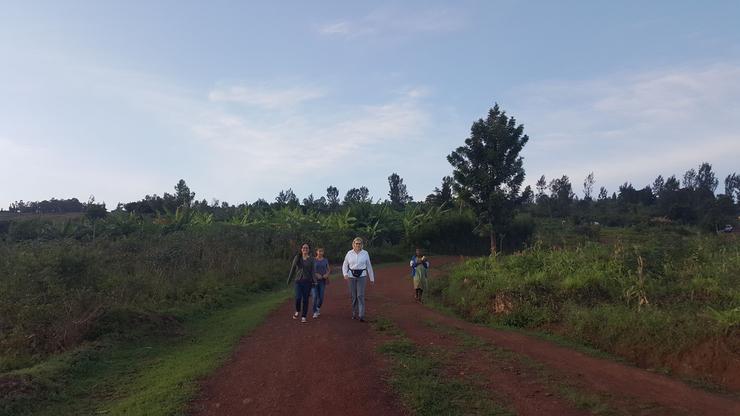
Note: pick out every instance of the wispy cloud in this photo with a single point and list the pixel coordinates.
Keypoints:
(232, 141)
(395, 21)
(633, 126)
(260, 144)
(337, 28)
(269, 98)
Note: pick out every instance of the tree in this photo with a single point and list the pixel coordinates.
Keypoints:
(541, 187)
(732, 186)
(527, 196)
(541, 198)
(313, 204)
(671, 184)
(183, 196)
(689, 179)
(398, 195)
(357, 196)
(442, 196)
(603, 194)
(287, 197)
(94, 212)
(561, 193)
(488, 170)
(332, 197)
(706, 181)
(658, 185)
(588, 186)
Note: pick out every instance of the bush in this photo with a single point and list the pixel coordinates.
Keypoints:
(642, 296)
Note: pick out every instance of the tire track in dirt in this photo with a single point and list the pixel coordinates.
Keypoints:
(329, 366)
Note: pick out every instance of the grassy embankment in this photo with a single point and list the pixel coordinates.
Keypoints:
(659, 298)
(145, 373)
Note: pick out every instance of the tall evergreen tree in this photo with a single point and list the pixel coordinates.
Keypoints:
(398, 195)
(332, 197)
(488, 170)
(183, 196)
(706, 181)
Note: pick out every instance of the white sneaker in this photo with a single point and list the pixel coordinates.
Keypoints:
(303, 320)
(315, 315)
(295, 315)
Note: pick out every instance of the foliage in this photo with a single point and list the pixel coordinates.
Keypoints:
(639, 295)
(117, 376)
(488, 169)
(444, 195)
(398, 194)
(692, 202)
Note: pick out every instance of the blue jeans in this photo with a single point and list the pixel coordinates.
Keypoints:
(357, 292)
(318, 294)
(302, 290)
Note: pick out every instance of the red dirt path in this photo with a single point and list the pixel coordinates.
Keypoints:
(329, 366)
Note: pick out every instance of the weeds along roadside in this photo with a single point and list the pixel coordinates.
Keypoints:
(60, 289)
(145, 374)
(653, 302)
(69, 301)
(58, 294)
(417, 376)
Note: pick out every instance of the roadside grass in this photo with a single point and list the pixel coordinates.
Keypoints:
(434, 301)
(417, 376)
(151, 375)
(646, 302)
(594, 403)
(439, 300)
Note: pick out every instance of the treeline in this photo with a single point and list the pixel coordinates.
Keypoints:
(690, 201)
(443, 221)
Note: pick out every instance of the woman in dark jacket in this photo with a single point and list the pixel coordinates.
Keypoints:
(302, 270)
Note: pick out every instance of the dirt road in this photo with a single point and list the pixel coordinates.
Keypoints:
(330, 366)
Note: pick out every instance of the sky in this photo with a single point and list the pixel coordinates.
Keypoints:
(243, 99)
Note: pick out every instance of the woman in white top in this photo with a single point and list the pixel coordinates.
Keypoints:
(355, 268)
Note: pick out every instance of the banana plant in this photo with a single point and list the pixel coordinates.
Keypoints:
(372, 232)
(201, 218)
(412, 220)
(339, 221)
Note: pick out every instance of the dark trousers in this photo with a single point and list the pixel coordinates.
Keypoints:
(302, 290)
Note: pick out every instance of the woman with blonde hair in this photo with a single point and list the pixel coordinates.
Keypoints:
(356, 268)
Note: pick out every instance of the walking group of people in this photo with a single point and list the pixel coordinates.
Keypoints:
(311, 275)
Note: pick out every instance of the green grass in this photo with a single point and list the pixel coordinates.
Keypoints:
(594, 403)
(657, 297)
(591, 402)
(418, 378)
(154, 375)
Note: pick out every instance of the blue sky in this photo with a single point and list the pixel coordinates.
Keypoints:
(122, 99)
